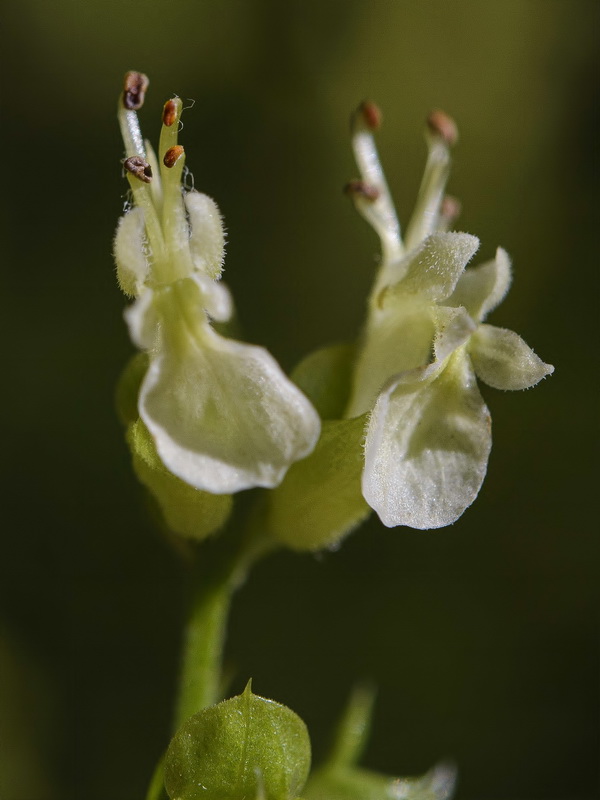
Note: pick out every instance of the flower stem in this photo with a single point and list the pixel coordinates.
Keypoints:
(213, 582)
(203, 644)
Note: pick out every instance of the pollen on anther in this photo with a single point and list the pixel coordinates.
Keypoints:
(371, 114)
(134, 90)
(442, 125)
(173, 155)
(139, 167)
(169, 113)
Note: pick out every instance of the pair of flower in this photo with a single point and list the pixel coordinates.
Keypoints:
(222, 415)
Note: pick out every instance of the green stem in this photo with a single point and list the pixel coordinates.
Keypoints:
(214, 577)
(213, 583)
(203, 644)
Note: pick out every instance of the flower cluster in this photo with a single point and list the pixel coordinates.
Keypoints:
(404, 429)
(428, 437)
(221, 413)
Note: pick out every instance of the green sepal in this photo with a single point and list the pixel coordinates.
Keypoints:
(128, 388)
(320, 499)
(325, 377)
(245, 747)
(187, 511)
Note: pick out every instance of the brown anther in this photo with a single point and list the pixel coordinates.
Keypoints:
(450, 208)
(173, 155)
(362, 189)
(440, 124)
(371, 114)
(134, 90)
(138, 167)
(169, 113)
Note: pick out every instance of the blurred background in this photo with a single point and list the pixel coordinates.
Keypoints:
(481, 638)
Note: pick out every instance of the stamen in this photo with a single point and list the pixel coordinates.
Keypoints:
(174, 220)
(132, 98)
(379, 210)
(440, 124)
(134, 90)
(156, 188)
(371, 114)
(172, 156)
(139, 167)
(441, 133)
(170, 113)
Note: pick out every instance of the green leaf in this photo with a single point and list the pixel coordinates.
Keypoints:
(325, 377)
(320, 499)
(187, 511)
(245, 747)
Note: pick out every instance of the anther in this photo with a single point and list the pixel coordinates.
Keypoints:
(173, 155)
(362, 189)
(169, 113)
(134, 90)
(138, 167)
(371, 114)
(442, 125)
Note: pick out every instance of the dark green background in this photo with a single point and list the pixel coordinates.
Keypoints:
(481, 638)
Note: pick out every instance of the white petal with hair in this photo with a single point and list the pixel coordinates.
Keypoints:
(223, 415)
(427, 447)
(503, 360)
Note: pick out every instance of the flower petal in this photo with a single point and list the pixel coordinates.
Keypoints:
(427, 448)
(453, 327)
(216, 297)
(224, 416)
(142, 320)
(504, 361)
(398, 338)
(480, 289)
(434, 267)
(207, 235)
(130, 252)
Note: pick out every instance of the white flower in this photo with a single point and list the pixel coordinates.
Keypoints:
(429, 432)
(223, 415)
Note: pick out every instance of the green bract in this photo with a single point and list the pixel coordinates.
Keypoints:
(245, 747)
(221, 413)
